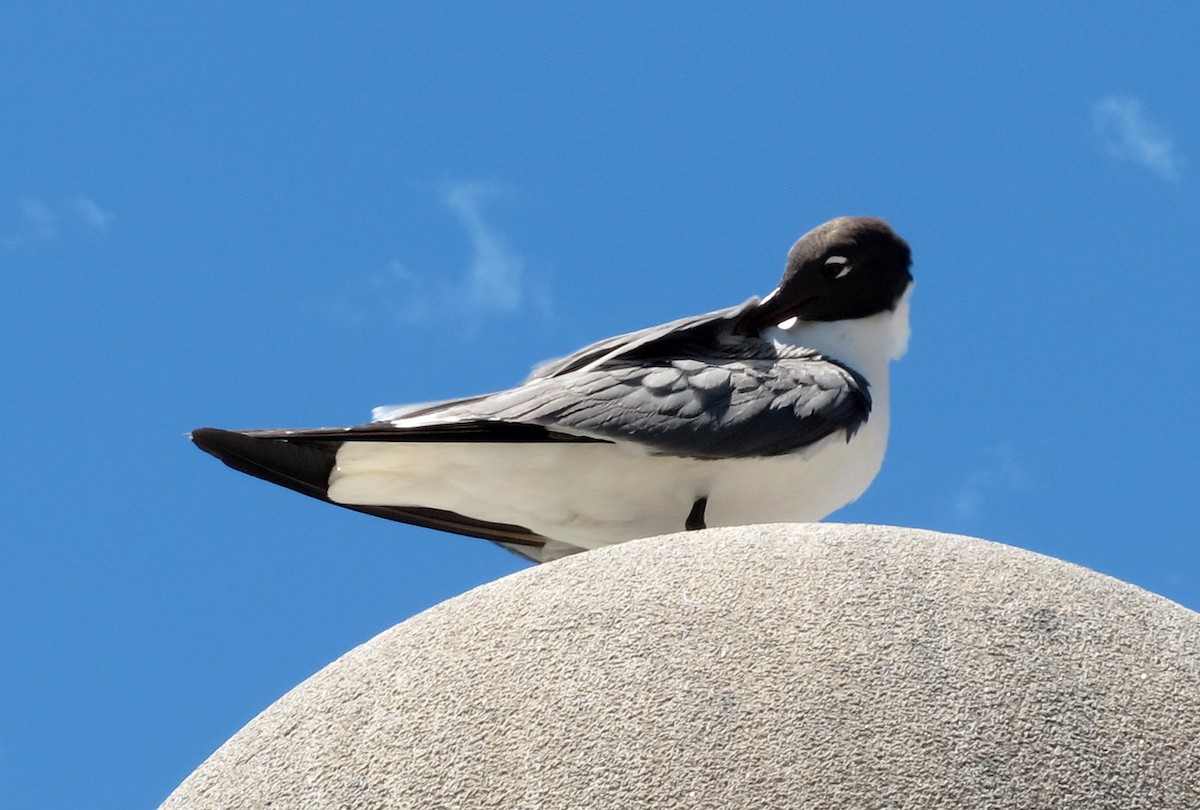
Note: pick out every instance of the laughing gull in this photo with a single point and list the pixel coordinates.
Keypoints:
(772, 411)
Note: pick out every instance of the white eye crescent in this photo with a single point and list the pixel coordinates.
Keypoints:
(836, 260)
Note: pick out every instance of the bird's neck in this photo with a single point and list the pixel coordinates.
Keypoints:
(864, 344)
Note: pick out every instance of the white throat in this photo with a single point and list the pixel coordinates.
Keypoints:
(864, 344)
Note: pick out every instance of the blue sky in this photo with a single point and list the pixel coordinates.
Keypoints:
(285, 215)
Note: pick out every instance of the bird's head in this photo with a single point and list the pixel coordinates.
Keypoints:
(847, 268)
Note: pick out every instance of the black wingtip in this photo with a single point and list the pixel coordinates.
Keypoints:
(210, 440)
(303, 460)
(303, 467)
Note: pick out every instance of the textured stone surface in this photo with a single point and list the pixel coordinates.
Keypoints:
(816, 666)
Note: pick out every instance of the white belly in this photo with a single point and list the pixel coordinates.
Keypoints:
(589, 495)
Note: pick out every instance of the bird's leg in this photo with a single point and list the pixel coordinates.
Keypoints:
(695, 518)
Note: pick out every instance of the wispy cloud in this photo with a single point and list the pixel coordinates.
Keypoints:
(1129, 133)
(92, 215)
(998, 475)
(39, 221)
(494, 282)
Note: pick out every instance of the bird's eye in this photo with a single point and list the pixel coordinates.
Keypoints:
(836, 267)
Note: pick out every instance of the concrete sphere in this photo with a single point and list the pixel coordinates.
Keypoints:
(777, 666)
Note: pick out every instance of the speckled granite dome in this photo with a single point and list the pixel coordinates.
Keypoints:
(778, 666)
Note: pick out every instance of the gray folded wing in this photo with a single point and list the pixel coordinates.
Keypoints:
(699, 407)
(691, 389)
(657, 340)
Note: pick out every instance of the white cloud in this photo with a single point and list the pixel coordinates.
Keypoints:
(494, 280)
(494, 283)
(40, 221)
(37, 220)
(405, 294)
(93, 216)
(1000, 475)
(1129, 134)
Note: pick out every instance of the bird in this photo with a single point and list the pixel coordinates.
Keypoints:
(775, 410)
